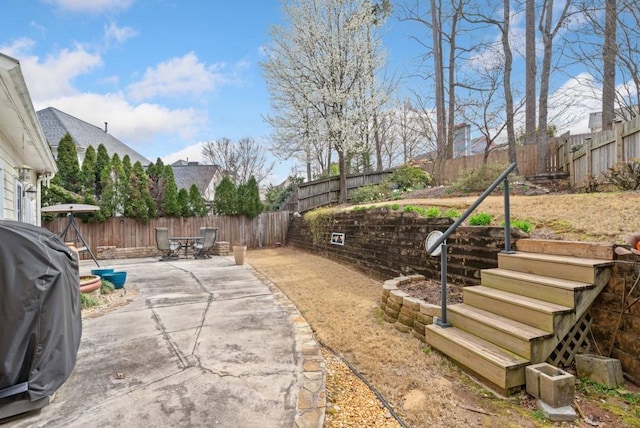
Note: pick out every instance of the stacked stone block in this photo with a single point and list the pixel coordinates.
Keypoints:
(408, 314)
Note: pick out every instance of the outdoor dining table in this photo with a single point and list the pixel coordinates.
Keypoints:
(185, 241)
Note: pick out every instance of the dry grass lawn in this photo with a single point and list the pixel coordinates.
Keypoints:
(424, 388)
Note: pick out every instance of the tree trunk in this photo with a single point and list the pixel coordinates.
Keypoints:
(530, 77)
(441, 138)
(547, 41)
(342, 198)
(609, 65)
(508, 95)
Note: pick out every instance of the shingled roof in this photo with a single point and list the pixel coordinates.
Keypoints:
(55, 124)
(187, 173)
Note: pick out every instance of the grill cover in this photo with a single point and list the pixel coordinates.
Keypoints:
(40, 319)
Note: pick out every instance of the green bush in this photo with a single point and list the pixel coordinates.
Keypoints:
(480, 219)
(107, 287)
(408, 177)
(395, 207)
(523, 225)
(359, 208)
(625, 175)
(433, 212)
(478, 180)
(369, 193)
(87, 301)
(452, 213)
(424, 212)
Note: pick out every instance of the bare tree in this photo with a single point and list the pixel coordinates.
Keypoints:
(239, 160)
(531, 71)
(609, 64)
(548, 30)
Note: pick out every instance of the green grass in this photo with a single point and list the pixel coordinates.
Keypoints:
(480, 219)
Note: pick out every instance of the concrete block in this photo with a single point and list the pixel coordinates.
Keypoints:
(550, 384)
(557, 414)
(604, 370)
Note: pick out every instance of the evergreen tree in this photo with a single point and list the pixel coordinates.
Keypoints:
(225, 201)
(68, 176)
(170, 205)
(89, 171)
(196, 201)
(185, 205)
(102, 161)
(154, 172)
(137, 206)
(249, 203)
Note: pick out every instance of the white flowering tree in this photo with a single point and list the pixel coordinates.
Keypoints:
(320, 72)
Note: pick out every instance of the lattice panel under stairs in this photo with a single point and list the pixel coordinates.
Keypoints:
(575, 342)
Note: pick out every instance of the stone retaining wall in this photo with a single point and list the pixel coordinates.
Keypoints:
(110, 252)
(406, 313)
(614, 328)
(390, 243)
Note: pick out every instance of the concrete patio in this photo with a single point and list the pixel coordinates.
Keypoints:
(203, 343)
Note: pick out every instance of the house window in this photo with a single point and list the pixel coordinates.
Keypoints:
(17, 197)
(1, 193)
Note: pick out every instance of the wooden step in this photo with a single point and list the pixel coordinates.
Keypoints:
(591, 250)
(554, 290)
(509, 334)
(563, 267)
(498, 366)
(536, 313)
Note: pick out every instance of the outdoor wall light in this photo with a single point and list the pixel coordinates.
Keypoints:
(30, 191)
(23, 173)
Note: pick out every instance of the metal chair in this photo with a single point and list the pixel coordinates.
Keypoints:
(166, 245)
(208, 238)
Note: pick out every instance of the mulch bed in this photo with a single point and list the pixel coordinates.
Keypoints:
(430, 291)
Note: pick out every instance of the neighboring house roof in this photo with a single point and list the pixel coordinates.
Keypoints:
(620, 114)
(56, 124)
(187, 173)
(18, 121)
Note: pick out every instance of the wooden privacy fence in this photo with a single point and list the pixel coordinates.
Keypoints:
(583, 157)
(265, 230)
(327, 190)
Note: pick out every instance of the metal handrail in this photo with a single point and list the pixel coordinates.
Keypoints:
(442, 240)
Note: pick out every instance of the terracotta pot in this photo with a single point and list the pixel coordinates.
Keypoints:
(239, 253)
(90, 283)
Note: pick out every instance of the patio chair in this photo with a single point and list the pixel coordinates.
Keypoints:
(166, 245)
(201, 246)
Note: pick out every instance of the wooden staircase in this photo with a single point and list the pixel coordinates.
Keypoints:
(523, 309)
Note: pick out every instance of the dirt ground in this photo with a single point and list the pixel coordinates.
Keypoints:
(423, 388)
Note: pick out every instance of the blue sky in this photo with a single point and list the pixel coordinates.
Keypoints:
(166, 75)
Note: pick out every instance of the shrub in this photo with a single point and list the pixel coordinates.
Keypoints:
(480, 219)
(407, 177)
(395, 207)
(452, 213)
(625, 175)
(523, 225)
(359, 208)
(107, 287)
(369, 193)
(319, 221)
(478, 180)
(87, 301)
(433, 212)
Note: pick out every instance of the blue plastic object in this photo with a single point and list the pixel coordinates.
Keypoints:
(101, 271)
(116, 278)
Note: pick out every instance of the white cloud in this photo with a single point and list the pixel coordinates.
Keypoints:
(118, 34)
(92, 6)
(179, 76)
(52, 76)
(135, 125)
